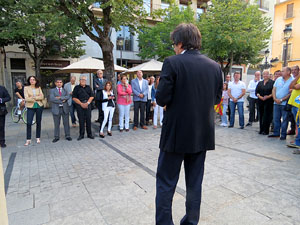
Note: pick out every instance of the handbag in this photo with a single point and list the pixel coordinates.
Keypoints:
(287, 106)
(3, 110)
(45, 101)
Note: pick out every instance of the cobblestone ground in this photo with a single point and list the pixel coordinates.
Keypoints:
(249, 179)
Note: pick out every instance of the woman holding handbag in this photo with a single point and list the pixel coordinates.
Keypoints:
(107, 99)
(124, 101)
(34, 98)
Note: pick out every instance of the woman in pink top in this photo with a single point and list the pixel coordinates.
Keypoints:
(124, 101)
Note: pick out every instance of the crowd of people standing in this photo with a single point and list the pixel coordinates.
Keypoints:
(66, 99)
(273, 101)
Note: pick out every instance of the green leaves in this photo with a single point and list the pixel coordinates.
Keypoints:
(37, 23)
(154, 42)
(234, 27)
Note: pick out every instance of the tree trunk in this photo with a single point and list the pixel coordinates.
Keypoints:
(108, 59)
(231, 63)
(37, 64)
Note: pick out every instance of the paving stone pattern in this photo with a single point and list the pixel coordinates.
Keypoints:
(249, 180)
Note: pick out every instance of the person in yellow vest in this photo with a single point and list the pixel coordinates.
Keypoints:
(294, 101)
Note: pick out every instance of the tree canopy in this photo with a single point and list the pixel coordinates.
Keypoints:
(154, 41)
(112, 14)
(40, 29)
(234, 32)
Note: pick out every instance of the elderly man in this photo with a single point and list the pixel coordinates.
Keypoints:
(69, 87)
(281, 94)
(227, 79)
(140, 96)
(253, 98)
(236, 92)
(99, 83)
(60, 109)
(83, 96)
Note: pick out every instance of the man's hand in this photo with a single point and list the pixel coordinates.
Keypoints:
(154, 104)
(97, 85)
(84, 105)
(58, 97)
(141, 95)
(235, 100)
(277, 101)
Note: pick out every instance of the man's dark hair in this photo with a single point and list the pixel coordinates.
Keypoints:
(277, 71)
(296, 67)
(289, 69)
(58, 79)
(187, 34)
(237, 72)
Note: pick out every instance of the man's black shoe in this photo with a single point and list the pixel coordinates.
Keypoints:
(241, 127)
(3, 145)
(282, 138)
(55, 140)
(97, 121)
(91, 137)
(273, 136)
(79, 138)
(69, 138)
(230, 126)
(248, 124)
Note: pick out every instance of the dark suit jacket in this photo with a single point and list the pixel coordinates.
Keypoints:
(190, 85)
(56, 102)
(97, 82)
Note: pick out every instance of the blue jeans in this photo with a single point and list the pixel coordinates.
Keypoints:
(72, 112)
(224, 116)
(278, 113)
(240, 107)
(297, 139)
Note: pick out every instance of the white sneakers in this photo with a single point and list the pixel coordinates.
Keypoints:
(223, 125)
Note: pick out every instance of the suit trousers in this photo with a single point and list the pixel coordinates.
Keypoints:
(38, 116)
(100, 112)
(2, 130)
(84, 117)
(265, 116)
(66, 124)
(148, 108)
(168, 170)
(139, 107)
(252, 104)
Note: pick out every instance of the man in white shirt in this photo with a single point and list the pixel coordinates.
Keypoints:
(236, 92)
(253, 98)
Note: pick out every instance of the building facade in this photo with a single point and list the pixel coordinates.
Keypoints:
(287, 14)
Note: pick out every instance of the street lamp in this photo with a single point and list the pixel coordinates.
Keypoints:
(287, 35)
(120, 43)
(266, 65)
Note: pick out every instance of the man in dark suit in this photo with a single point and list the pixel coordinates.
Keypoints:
(4, 97)
(60, 108)
(98, 86)
(190, 85)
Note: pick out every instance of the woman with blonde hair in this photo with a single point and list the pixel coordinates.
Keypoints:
(34, 102)
(107, 99)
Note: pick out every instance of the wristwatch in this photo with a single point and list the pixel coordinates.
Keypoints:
(280, 100)
(88, 103)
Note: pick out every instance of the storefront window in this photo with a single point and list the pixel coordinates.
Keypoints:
(128, 39)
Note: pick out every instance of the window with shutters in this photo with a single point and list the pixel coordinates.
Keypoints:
(290, 10)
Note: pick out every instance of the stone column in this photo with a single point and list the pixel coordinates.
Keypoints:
(3, 209)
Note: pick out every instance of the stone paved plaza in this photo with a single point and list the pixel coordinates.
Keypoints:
(249, 179)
